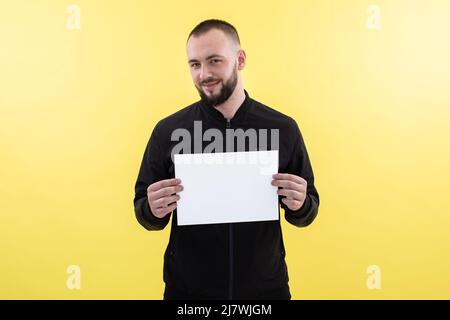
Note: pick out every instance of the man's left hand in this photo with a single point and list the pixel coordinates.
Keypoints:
(292, 187)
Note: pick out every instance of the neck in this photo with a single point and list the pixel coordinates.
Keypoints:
(231, 106)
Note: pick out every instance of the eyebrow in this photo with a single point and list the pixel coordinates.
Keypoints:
(207, 58)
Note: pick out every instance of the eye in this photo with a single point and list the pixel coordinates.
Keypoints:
(195, 65)
(215, 61)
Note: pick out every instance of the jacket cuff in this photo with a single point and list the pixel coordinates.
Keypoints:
(150, 217)
(303, 209)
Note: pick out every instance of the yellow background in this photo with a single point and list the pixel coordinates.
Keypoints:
(77, 108)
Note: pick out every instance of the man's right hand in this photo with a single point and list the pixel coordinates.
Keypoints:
(162, 196)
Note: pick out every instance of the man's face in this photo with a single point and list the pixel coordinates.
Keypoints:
(213, 64)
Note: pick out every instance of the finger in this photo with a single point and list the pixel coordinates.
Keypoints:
(292, 194)
(164, 202)
(163, 183)
(167, 191)
(161, 212)
(288, 176)
(289, 185)
(291, 203)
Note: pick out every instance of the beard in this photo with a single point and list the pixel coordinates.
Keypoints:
(226, 90)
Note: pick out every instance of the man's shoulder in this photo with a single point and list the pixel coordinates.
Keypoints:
(176, 119)
(269, 114)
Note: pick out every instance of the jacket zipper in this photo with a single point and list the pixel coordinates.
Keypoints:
(230, 231)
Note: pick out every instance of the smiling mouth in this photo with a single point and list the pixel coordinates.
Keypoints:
(211, 84)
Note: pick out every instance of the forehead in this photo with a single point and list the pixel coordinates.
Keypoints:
(212, 42)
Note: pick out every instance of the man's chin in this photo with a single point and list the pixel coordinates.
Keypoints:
(208, 97)
(211, 93)
(211, 98)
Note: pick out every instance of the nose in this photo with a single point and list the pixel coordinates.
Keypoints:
(204, 73)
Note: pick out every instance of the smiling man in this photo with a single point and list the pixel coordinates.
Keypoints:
(228, 260)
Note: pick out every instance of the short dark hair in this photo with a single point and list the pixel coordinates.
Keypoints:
(204, 26)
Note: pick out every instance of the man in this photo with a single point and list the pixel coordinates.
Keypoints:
(228, 260)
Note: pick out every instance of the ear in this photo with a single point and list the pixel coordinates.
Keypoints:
(241, 59)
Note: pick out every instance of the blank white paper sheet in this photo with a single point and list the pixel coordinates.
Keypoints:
(227, 187)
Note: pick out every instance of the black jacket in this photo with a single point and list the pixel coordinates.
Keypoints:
(230, 260)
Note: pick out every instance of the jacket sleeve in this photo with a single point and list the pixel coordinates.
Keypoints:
(300, 165)
(152, 169)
